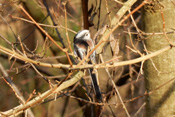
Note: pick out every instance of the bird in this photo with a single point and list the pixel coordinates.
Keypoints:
(83, 42)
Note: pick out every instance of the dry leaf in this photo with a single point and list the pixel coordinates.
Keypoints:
(114, 44)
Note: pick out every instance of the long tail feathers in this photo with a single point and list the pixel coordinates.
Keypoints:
(95, 85)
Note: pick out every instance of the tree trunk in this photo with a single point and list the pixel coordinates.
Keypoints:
(161, 103)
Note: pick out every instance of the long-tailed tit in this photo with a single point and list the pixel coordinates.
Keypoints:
(83, 41)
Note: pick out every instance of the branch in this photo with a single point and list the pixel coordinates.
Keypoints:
(14, 88)
(63, 50)
(115, 21)
(87, 66)
(19, 109)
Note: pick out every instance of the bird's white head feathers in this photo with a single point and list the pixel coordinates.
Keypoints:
(83, 34)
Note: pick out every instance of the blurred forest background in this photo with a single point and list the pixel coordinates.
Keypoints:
(126, 32)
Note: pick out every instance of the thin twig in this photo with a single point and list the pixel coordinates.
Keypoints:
(64, 50)
(19, 109)
(116, 89)
(67, 35)
(85, 66)
(50, 26)
(14, 88)
(116, 21)
(48, 11)
(143, 105)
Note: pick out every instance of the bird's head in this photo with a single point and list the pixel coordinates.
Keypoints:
(83, 35)
(83, 40)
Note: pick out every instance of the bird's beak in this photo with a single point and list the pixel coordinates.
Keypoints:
(90, 43)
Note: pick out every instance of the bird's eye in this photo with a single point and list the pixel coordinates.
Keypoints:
(86, 34)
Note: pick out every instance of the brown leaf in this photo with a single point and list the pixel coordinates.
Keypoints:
(114, 44)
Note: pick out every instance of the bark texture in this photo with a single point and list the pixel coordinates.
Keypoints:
(161, 103)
